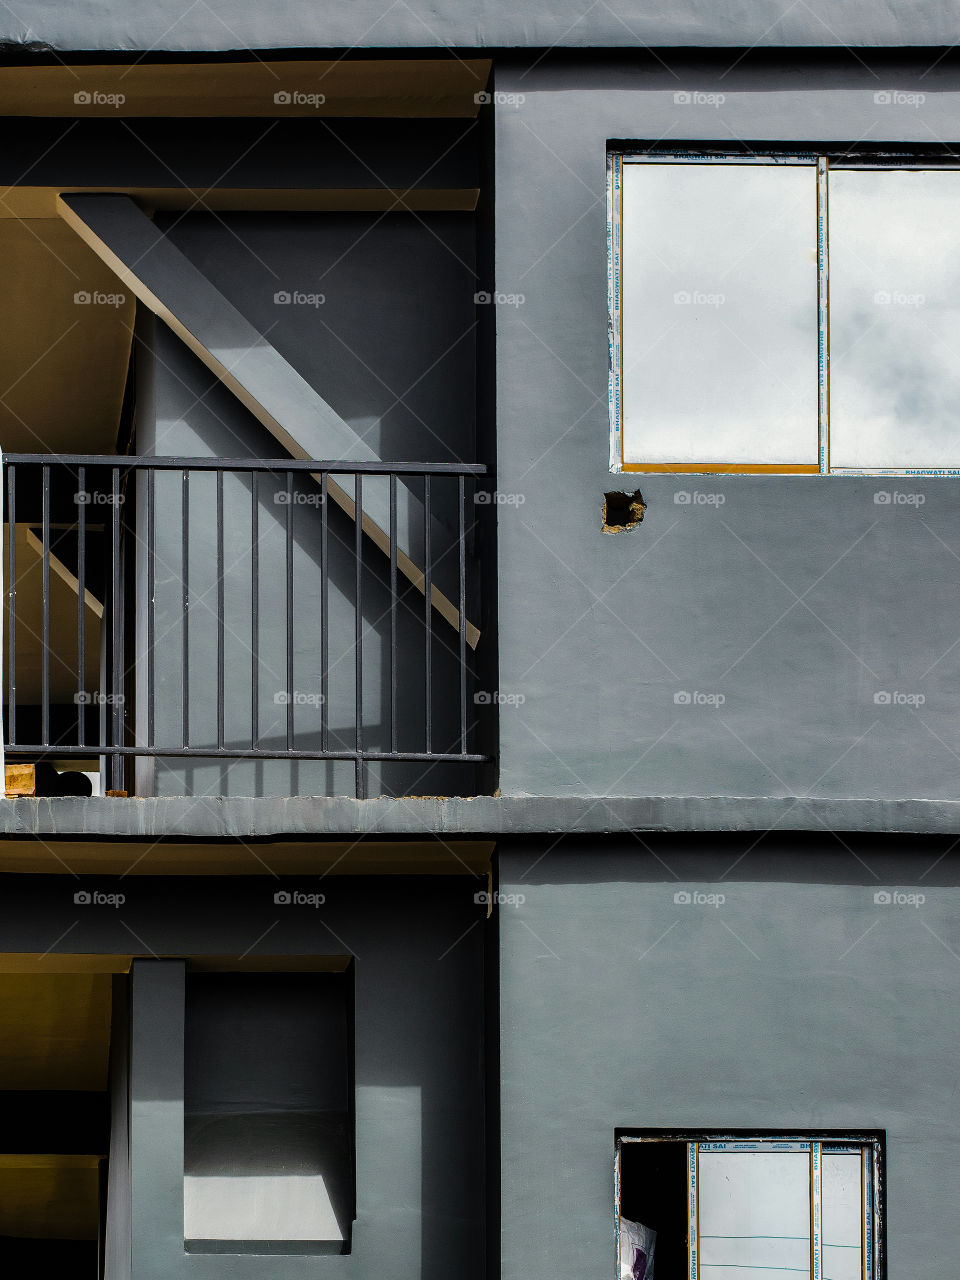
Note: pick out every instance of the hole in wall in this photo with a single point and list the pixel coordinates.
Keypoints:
(622, 511)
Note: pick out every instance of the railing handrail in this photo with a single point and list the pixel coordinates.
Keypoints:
(332, 466)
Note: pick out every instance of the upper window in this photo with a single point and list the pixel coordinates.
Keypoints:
(784, 313)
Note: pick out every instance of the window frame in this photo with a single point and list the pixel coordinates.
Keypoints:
(871, 1142)
(819, 156)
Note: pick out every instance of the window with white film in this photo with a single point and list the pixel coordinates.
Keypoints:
(764, 1208)
(784, 313)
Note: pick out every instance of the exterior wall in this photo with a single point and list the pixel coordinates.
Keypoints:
(373, 23)
(418, 959)
(796, 600)
(798, 1003)
(391, 347)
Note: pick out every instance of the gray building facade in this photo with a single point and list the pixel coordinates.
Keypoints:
(435, 862)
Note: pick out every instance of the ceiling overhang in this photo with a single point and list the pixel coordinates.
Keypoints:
(412, 87)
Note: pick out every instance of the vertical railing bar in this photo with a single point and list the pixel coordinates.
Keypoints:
(45, 614)
(151, 607)
(358, 625)
(289, 609)
(115, 710)
(255, 611)
(12, 603)
(461, 496)
(324, 615)
(221, 628)
(427, 618)
(393, 611)
(81, 500)
(185, 606)
(823, 314)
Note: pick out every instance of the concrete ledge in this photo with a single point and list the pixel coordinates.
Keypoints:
(238, 818)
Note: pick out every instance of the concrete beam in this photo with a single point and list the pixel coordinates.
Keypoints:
(90, 821)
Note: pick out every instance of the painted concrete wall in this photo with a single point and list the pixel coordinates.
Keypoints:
(417, 944)
(373, 23)
(798, 1002)
(797, 600)
(388, 339)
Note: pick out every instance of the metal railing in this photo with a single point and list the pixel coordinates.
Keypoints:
(185, 611)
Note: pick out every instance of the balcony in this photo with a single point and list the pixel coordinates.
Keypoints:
(252, 627)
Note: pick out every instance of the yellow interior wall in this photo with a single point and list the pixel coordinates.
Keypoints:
(49, 1197)
(54, 1031)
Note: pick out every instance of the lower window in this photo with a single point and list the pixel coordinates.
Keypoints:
(701, 1206)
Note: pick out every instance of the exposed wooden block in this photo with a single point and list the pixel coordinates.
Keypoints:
(20, 779)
